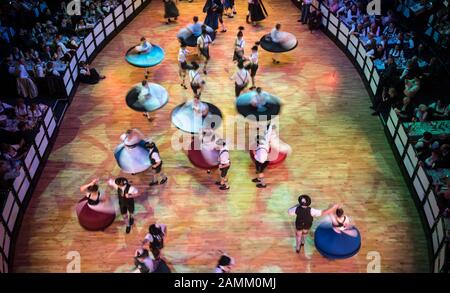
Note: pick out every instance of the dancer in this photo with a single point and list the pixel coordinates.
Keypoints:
(155, 238)
(192, 31)
(131, 154)
(229, 8)
(143, 262)
(146, 94)
(126, 194)
(276, 144)
(143, 47)
(156, 163)
(253, 65)
(261, 161)
(276, 38)
(203, 43)
(214, 12)
(196, 80)
(256, 11)
(208, 140)
(305, 216)
(95, 211)
(224, 264)
(286, 41)
(224, 164)
(200, 108)
(241, 79)
(259, 100)
(170, 10)
(337, 237)
(182, 63)
(239, 45)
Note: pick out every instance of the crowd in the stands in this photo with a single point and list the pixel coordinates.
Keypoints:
(410, 78)
(38, 38)
(408, 69)
(18, 127)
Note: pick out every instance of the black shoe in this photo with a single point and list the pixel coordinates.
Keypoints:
(224, 187)
(247, 19)
(208, 171)
(375, 113)
(217, 183)
(128, 229)
(205, 72)
(299, 20)
(164, 180)
(297, 250)
(255, 180)
(260, 185)
(131, 221)
(234, 12)
(153, 183)
(372, 107)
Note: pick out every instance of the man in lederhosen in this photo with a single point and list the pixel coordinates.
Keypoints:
(182, 63)
(224, 164)
(305, 217)
(197, 82)
(241, 79)
(203, 42)
(261, 156)
(155, 160)
(126, 194)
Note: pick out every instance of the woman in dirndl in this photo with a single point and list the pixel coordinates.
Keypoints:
(170, 10)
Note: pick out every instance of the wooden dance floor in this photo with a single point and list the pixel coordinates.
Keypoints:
(340, 154)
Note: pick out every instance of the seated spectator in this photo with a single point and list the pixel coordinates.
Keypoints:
(82, 27)
(429, 162)
(7, 174)
(444, 160)
(25, 86)
(16, 54)
(412, 86)
(21, 110)
(50, 70)
(36, 113)
(334, 6)
(389, 98)
(11, 154)
(396, 52)
(390, 31)
(89, 75)
(405, 111)
(439, 110)
(39, 69)
(443, 197)
(389, 77)
(420, 113)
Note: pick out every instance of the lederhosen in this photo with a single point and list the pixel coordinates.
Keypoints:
(236, 56)
(153, 162)
(195, 87)
(238, 88)
(184, 65)
(224, 171)
(260, 167)
(205, 49)
(304, 219)
(125, 204)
